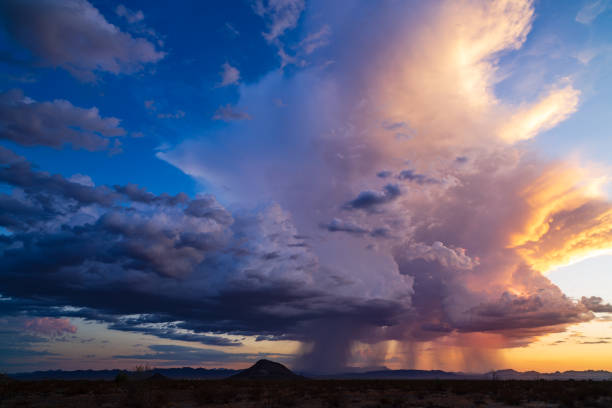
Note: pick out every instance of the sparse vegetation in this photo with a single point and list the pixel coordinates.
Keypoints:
(305, 393)
(122, 377)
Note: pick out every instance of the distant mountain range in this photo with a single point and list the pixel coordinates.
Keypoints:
(186, 373)
(265, 369)
(565, 375)
(393, 375)
(492, 375)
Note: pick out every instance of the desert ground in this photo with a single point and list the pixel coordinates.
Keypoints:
(305, 393)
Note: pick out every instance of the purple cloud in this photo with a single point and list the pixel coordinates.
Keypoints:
(229, 113)
(229, 75)
(30, 123)
(73, 35)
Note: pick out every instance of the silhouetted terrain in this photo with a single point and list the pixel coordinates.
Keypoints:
(402, 375)
(184, 373)
(164, 393)
(188, 373)
(266, 370)
(272, 385)
(534, 375)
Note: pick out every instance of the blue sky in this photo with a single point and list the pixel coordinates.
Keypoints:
(228, 180)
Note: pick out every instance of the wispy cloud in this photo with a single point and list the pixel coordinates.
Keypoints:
(232, 29)
(130, 15)
(229, 113)
(315, 40)
(281, 15)
(589, 12)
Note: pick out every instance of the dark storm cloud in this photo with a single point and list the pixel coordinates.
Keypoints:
(208, 207)
(187, 266)
(532, 311)
(139, 194)
(73, 35)
(367, 200)
(48, 189)
(337, 225)
(418, 178)
(596, 304)
(189, 355)
(9, 157)
(54, 124)
(169, 332)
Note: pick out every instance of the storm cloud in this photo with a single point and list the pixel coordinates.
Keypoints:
(434, 250)
(74, 35)
(31, 123)
(370, 199)
(186, 265)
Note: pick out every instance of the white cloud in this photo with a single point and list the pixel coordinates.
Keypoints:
(549, 111)
(176, 115)
(281, 15)
(130, 15)
(232, 30)
(589, 12)
(316, 40)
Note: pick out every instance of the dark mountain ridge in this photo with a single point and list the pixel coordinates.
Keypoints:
(268, 369)
(178, 373)
(395, 374)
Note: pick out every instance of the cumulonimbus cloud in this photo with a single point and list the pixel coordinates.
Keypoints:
(247, 273)
(475, 222)
(479, 220)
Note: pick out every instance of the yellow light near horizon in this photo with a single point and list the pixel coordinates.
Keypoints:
(545, 355)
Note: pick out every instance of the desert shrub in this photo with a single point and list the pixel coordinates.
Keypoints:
(334, 400)
(214, 393)
(143, 368)
(202, 396)
(139, 395)
(161, 399)
(255, 393)
(121, 377)
(76, 388)
(385, 401)
(286, 401)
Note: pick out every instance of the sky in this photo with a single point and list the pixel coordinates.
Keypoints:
(332, 185)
